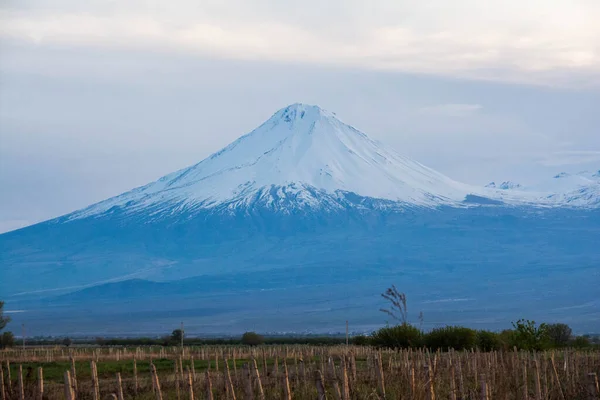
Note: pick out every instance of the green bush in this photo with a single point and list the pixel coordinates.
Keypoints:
(397, 337)
(489, 341)
(7, 339)
(507, 339)
(559, 334)
(360, 340)
(528, 336)
(252, 339)
(581, 342)
(451, 337)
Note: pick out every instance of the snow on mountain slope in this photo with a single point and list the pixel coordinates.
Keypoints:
(580, 189)
(300, 152)
(507, 185)
(304, 157)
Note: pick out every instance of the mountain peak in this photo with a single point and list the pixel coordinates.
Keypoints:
(302, 155)
(301, 111)
(301, 116)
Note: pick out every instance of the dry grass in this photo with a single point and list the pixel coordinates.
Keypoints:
(348, 373)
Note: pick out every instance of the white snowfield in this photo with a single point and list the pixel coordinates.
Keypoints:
(306, 155)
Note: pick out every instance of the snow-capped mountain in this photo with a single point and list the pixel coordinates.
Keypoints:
(564, 189)
(304, 157)
(302, 154)
(307, 220)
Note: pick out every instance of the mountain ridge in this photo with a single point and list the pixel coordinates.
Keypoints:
(303, 158)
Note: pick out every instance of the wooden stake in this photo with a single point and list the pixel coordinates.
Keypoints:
(95, 384)
(320, 386)
(8, 377)
(286, 383)
(73, 374)
(261, 393)
(347, 333)
(380, 376)
(181, 369)
(2, 392)
(248, 392)
(135, 377)
(452, 382)
(177, 381)
(562, 396)
(193, 369)
(230, 388)
(334, 381)
(40, 383)
(592, 386)
(155, 382)
(483, 393)
(429, 387)
(69, 395)
(525, 381)
(353, 366)
(345, 383)
(190, 383)
(538, 385)
(21, 386)
(209, 393)
(119, 387)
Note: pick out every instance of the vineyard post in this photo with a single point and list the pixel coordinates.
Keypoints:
(73, 374)
(8, 377)
(562, 395)
(192, 363)
(429, 382)
(538, 385)
(320, 386)
(190, 383)
(593, 390)
(229, 382)
(347, 333)
(40, 383)
(69, 395)
(380, 376)
(177, 381)
(525, 381)
(333, 379)
(248, 392)
(135, 377)
(155, 382)
(2, 392)
(21, 386)
(261, 393)
(286, 382)
(452, 381)
(483, 388)
(345, 383)
(119, 387)
(95, 384)
(209, 393)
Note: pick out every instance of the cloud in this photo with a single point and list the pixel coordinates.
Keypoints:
(570, 157)
(451, 110)
(545, 42)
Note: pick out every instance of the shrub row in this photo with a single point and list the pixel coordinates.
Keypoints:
(525, 335)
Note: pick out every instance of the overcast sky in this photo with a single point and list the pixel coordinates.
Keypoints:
(97, 97)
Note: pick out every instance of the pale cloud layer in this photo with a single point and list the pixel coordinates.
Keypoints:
(451, 110)
(538, 41)
(97, 97)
